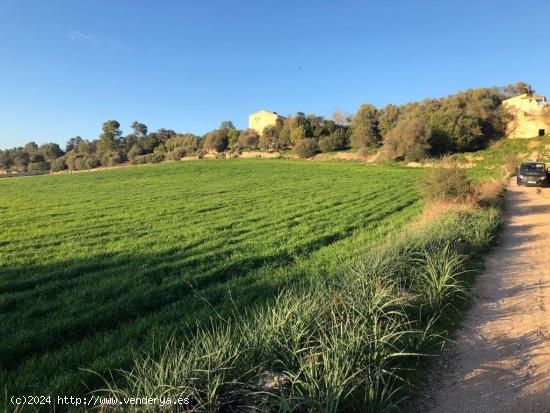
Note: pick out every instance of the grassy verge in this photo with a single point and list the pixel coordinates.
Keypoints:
(351, 342)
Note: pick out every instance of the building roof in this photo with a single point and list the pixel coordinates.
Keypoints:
(267, 111)
(527, 96)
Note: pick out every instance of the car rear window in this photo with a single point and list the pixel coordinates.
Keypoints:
(532, 167)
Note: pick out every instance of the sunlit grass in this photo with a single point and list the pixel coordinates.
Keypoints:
(97, 266)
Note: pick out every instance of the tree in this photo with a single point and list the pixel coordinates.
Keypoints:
(39, 166)
(284, 136)
(335, 141)
(58, 164)
(140, 129)
(249, 138)
(364, 125)
(31, 147)
(518, 89)
(73, 143)
(340, 117)
(228, 129)
(216, 141)
(269, 141)
(408, 140)
(109, 138)
(387, 118)
(51, 151)
(307, 148)
(5, 161)
(189, 142)
(297, 134)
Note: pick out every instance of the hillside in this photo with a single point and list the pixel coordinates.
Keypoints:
(504, 155)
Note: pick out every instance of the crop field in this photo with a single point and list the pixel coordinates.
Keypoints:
(98, 267)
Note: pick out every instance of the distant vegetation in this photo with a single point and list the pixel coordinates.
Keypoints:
(465, 121)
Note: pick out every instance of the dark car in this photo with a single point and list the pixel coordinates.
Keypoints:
(532, 174)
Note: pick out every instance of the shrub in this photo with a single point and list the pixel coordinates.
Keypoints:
(216, 141)
(408, 140)
(447, 184)
(249, 138)
(511, 163)
(335, 141)
(176, 154)
(37, 167)
(307, 148)
(269, 141)
(111, 159)
(188, 141)
(90, 162)
(58, 165)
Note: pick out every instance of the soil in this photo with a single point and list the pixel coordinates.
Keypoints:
(500, 358)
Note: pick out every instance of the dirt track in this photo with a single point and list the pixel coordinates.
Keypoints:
(500, 361)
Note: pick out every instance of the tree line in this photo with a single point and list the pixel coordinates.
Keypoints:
(464, 121)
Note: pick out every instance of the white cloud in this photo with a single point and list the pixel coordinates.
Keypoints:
(90, 38)
(96, 40)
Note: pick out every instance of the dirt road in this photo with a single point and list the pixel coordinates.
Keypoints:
(500, 361)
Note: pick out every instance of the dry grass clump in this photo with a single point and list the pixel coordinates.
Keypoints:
(490, 193)
(450, 189)
(447, 185)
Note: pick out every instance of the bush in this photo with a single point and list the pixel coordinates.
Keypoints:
(91, 162)
(335, 141)
(249, 138)
(447, 184)
(176, 154)
(408, 140)
(307, 148)
(111, 159)
(58, 165)
(189, 142)
(37, 167)
(216, 141)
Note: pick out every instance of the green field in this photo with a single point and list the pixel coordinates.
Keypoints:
(95, 267)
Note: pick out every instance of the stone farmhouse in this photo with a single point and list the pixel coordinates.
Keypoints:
(531, 116)
(259, 120)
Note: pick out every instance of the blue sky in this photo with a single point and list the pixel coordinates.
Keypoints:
(67, 66)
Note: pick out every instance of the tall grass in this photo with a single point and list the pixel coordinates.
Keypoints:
(346, 343)
(96, 266)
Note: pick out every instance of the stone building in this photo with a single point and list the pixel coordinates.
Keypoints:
(531, 116)
(259, 120)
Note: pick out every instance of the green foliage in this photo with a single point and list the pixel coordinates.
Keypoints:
(99, 266)
(297, 135)
(249, 138)
(269, 141)
(408, 140)
(176, 154)
(447, 184)
(140, 129)
(465, 121)
(216, 141)
(108, 140)
(387, 118)
(307, 148)
(343, 343)
(364, 127)
(188, 142)
(58, 165)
